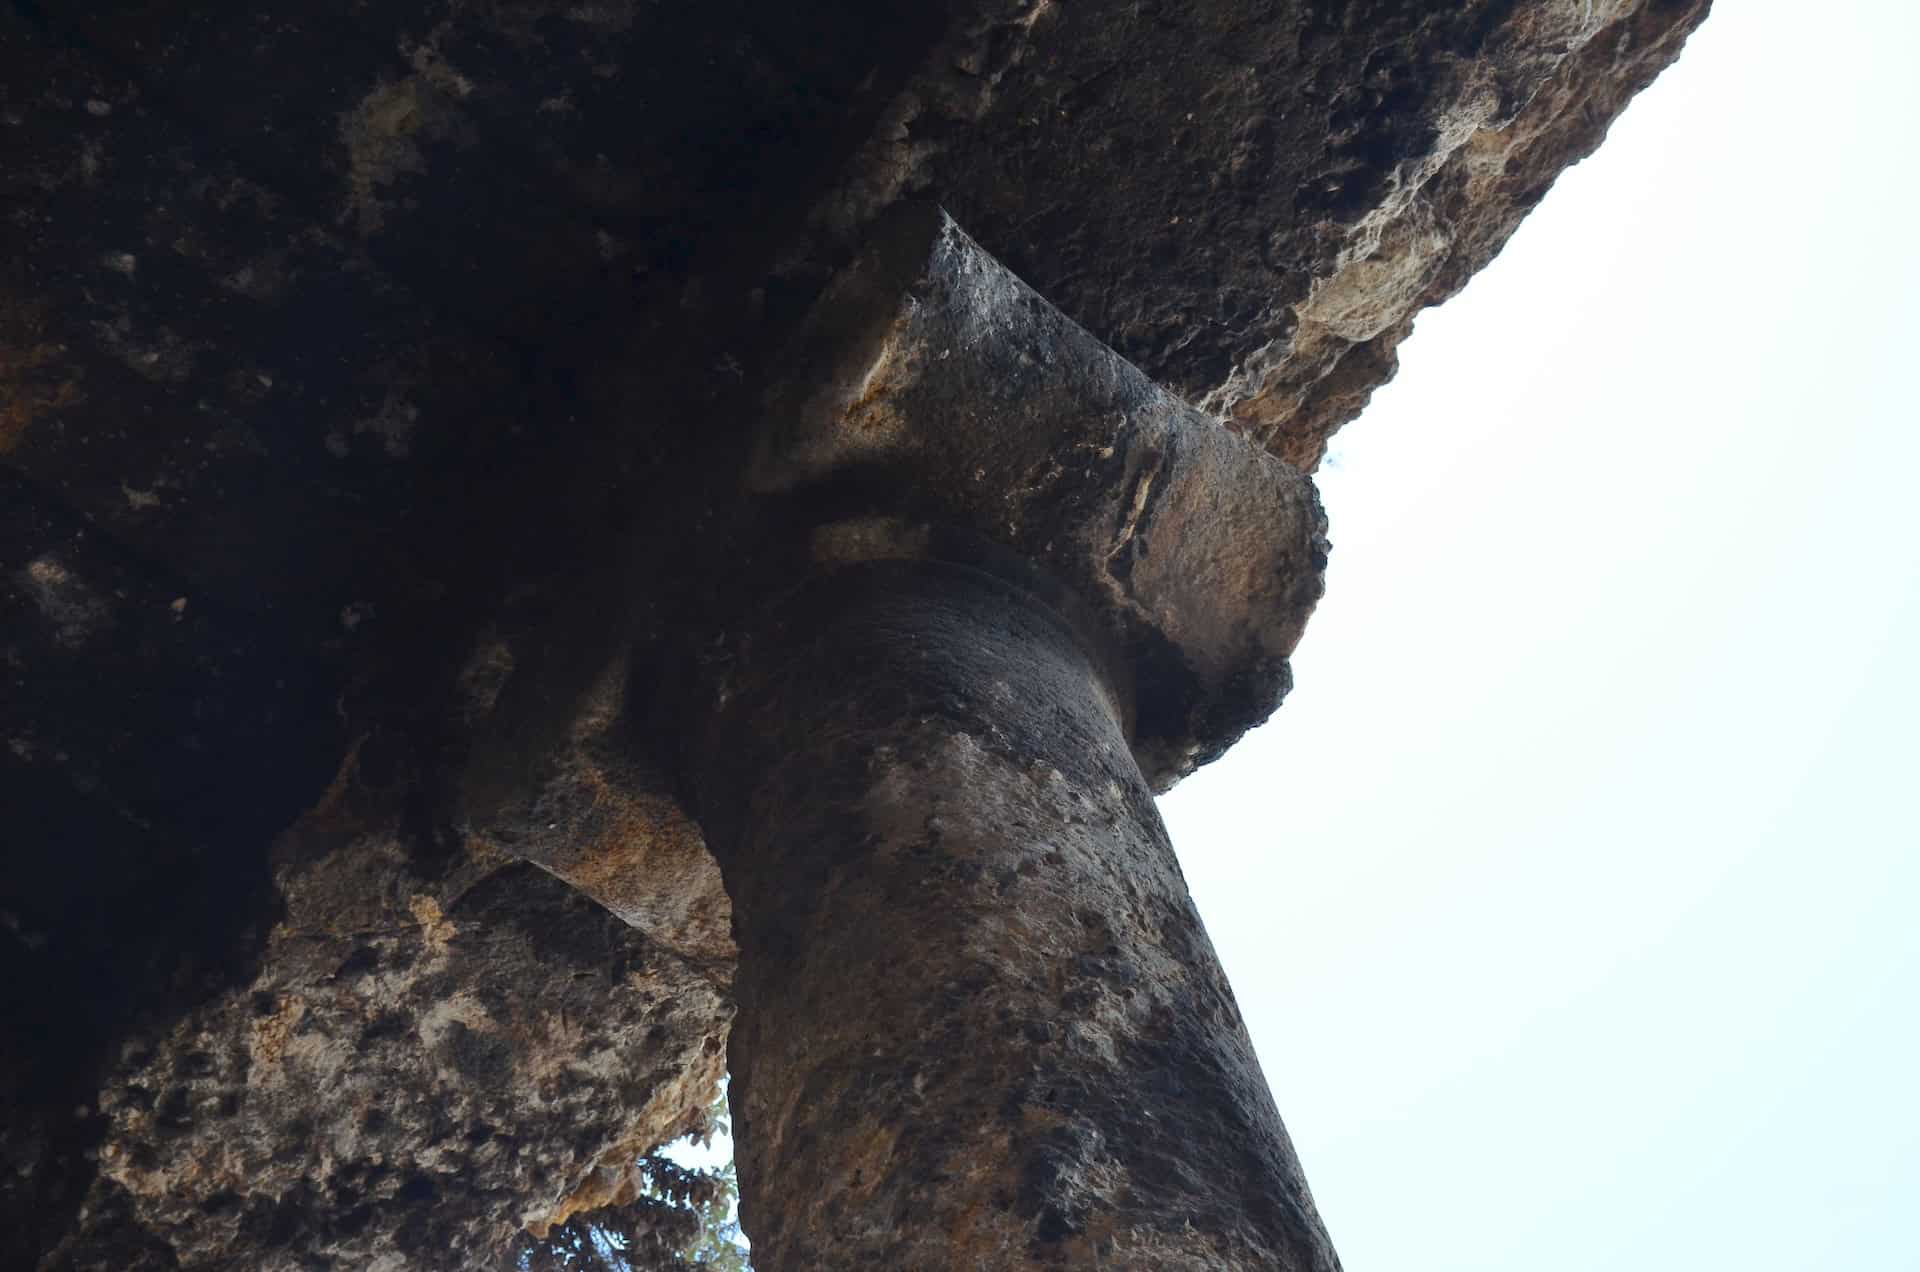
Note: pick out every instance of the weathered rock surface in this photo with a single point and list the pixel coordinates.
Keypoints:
(1252, 201)
(419, 1069)
(375, 389)
(958, 395)
(978, 1011)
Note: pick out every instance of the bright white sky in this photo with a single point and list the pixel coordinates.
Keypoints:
(1573, 898)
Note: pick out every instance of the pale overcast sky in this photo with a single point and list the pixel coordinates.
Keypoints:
(1573, 898)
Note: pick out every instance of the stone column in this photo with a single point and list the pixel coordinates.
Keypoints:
(980, 1023)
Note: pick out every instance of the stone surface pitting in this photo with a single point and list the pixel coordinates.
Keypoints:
(423, 1064)
(343, 363)
(932, 374)
(979, 1014)
(1256, 221)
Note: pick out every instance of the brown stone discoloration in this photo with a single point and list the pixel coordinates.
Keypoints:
(676, 1108)
(334, 351)
(467, 1042)
(1567, 70)
(1298, 183)
(955, 394)
(34, 381)
(978, 1011)
(597, 813)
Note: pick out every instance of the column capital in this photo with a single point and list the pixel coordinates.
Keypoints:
(932, 380)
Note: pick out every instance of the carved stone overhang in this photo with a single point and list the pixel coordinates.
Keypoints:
(932, 385)
(374, 395)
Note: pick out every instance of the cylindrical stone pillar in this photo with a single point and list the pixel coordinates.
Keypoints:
(980, 1024)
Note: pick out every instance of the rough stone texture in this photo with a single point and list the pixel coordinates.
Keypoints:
(377, 381)
(290, 475)
(978, 1012)
(1251, 201)
(955, 394)
(1451, 212)
(590, 809)
(421, 1065)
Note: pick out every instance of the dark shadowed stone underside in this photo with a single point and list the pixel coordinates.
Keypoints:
(375, 392)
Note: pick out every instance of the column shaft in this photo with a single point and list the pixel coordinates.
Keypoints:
(980, 1025)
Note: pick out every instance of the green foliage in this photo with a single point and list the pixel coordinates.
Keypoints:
(682, 1219)
(718, 1245)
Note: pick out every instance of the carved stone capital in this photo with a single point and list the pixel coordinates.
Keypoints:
(944, 389)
